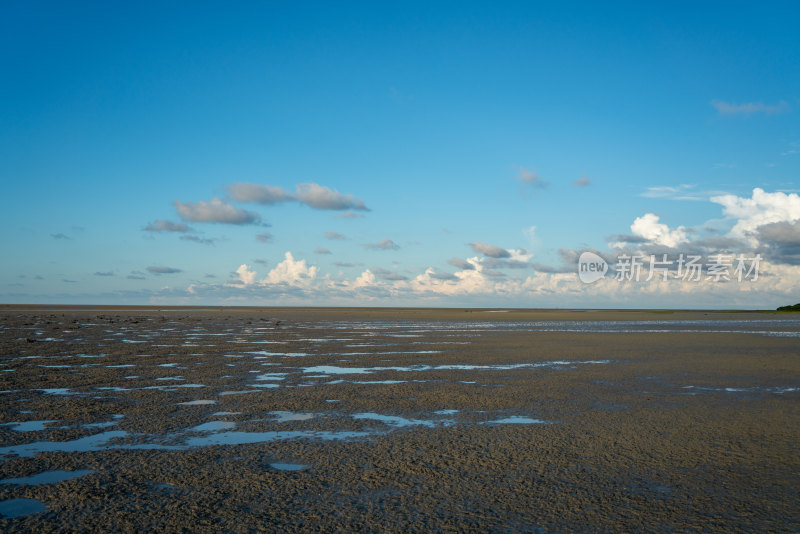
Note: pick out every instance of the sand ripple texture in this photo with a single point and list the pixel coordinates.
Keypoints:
(388, 420)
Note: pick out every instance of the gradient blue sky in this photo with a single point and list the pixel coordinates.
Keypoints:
(453, 123)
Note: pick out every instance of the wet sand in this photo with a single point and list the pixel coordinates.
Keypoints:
(291, 419)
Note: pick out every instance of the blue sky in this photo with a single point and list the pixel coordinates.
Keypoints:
(423, 132)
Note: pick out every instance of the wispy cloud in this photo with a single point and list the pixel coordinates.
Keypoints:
(532, 178)
(383, 244)
(264, 237)
(749, 108)
(462, 264)
(311, 194)
(679, 192)
(107, 273)
(260, 194)
(322, 198)
(166, 226)
(59, 236)
(489, 250)
(160, 269)
(335, 236)
(351, 215)
(583, 181)
(320, 250)
(215, 210)
(197, 239)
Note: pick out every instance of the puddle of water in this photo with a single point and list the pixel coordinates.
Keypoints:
(170, 378)
(19, 507)
(242, 438)
(288, 467)
(96, 442)
(393, 420)
(283, 417)
(265, 385)
(517, 420)
(30, 426)
(59, 391)
(121, 366)
(213, 426)
(271, 376)
(220, 414)
(379, 381)
(240, 392)
(200, 402)
(446, 412)
(48, 477)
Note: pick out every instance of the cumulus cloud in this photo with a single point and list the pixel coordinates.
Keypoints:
(383, 244)
(648, 227)
(322, 198)
(291, 272)
(215, 210)
(748, 108)
(532, 179)
(246, 276)
(259, 194)
(264, 237)
(320, 250)
(489, 250)
(760, 209)
(160, 269)
(166, 226)
(780, 242)
(583, 181)
(335, 236)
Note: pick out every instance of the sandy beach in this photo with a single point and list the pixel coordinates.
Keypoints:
(386, 420)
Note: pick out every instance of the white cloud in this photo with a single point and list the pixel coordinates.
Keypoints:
(292, 272)
(247, 276)
(648, 227)
(748, 108)
(323, 198)
(215, 210)
(761, 208)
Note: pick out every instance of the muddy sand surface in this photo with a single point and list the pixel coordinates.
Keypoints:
(322, 420)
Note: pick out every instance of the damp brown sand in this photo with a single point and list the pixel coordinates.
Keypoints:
(643, 431)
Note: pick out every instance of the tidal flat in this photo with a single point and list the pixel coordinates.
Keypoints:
(386, 420)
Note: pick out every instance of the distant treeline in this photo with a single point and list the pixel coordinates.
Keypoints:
(793, 307)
